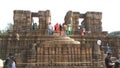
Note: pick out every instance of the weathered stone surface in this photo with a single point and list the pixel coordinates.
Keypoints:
(36, 49)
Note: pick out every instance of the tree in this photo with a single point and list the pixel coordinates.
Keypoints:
(3, 32)
(8, 27)
(115, 33)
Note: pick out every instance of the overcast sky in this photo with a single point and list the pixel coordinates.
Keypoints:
(109, 8)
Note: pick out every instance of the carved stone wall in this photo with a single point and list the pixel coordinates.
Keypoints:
(33, 49)
(92, 21)
(23, 20)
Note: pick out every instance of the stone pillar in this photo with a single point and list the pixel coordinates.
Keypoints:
(22, 20)
(69, 17)
(44, 20)
(117, 46)
(93, 22)
(48, 17)
(75, 25)
(75, 22)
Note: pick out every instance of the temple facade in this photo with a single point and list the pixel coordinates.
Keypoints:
(34, 48)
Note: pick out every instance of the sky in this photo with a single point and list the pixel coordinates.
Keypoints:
(58, 8)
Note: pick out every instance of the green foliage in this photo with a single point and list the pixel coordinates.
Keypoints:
(115, 33)
(9, 27)
(3, 32)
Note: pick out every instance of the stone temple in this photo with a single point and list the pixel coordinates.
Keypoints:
(37, 49)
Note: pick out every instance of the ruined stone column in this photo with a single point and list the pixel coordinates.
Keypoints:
(75, 25)
(44, 19)
(93, 22)
(22, 20)
(41, 19)
(48, 17)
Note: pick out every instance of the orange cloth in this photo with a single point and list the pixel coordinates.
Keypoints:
(57, 27)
